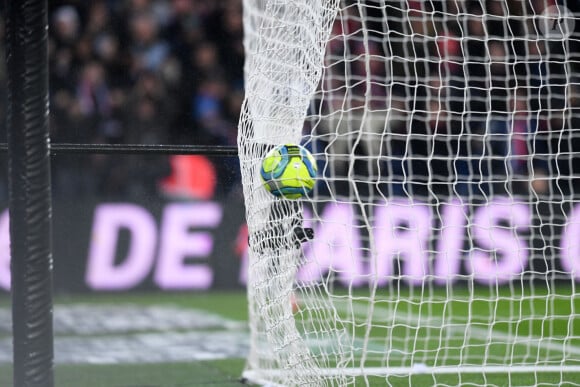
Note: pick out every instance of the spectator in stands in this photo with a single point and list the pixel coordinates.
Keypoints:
(227, 33)
(561, 151)
(147, 49)
(66, 27)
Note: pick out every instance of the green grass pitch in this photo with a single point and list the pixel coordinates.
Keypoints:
(160, 369)
(218, 372)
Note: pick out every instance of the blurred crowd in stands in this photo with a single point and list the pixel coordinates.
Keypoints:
(461, 93)
(481, 98)
(143, 72)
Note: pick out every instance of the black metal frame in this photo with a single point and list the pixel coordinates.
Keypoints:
(208, 150)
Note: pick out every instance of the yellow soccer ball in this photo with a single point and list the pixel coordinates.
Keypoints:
(289, 171)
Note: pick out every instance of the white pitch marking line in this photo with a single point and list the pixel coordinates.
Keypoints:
(263, 374)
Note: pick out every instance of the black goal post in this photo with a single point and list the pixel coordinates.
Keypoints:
(29, 191)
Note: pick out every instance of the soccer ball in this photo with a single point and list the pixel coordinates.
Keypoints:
(288, 171)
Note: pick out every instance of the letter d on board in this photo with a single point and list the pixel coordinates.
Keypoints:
(102, 273)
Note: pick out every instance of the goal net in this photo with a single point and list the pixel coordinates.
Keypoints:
(446, 212)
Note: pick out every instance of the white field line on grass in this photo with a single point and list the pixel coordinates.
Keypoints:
(264, 376)
(478, 333)
(126, 333)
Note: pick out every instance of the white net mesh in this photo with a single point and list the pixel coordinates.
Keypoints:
(447, 209)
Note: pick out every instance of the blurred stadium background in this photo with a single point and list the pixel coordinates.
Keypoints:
(148, 249)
